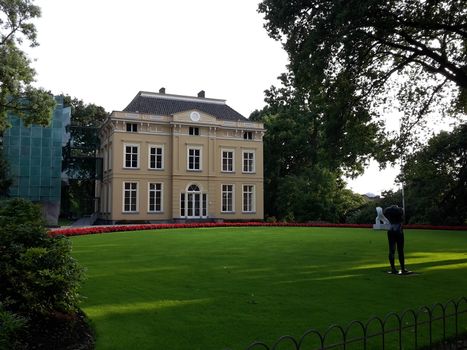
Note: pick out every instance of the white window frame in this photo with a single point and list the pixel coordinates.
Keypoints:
(200, 149)
(149, 197)
(232, 192)
(253, 165)
(253, 199)
(222, 160)
(123, 197)
(203, 202)
(125, 145)
(248, 135)
(182, 199)
(162, 155)
(131, 128)
(195, 129)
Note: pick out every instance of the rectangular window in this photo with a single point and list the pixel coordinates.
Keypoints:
(130, 197)
(131, 156)
(248, 162)
(156, 157)
(227, 161)
(194, 158)
(205, 205)
(194, 131)
(248, 198)
(131, 127)
(182, 205)
(227, 198)
(155, 198)
(248, 135)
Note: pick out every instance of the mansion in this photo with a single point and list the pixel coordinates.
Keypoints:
(175, 158)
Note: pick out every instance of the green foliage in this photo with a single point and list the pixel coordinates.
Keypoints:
(323, 125)
(5, 179)
(86, 120)
(348, 59)
(435, 184)
(79, 157)
(22, 211)
(85, 114)
(11, 326)
(77, 198)
(16, 74)
(308, 147)
(366, 213)
(315, 195)
(38, 274)
(355, 54)
(436, 180)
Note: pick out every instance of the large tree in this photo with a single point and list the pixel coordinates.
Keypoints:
(308, 146)
(17, 95)
(415, 48)
(80, 161)
(436, 180)
(436, 183)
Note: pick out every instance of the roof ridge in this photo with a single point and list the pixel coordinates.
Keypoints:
(181, 97)
(164, 104)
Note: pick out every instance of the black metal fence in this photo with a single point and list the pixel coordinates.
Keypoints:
(436, 327)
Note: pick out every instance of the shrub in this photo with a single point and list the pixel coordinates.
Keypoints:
(38, 274)
(11, 326)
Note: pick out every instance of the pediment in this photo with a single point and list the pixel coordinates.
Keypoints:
(194, 116)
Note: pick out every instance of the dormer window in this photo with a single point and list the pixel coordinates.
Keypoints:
(194, 131)
(248, 135)
(131, 127)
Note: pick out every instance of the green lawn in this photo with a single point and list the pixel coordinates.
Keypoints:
(218, 288)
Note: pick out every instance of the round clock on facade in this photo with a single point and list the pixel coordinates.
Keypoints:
(194, 116)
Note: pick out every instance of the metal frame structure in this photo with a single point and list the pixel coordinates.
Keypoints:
(409, 321)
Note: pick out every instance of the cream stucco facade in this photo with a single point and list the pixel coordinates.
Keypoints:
(188, 165)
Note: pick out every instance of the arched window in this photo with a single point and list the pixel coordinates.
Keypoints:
(193, 188)
(193, 203)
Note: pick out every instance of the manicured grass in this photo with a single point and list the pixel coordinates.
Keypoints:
(218, 288)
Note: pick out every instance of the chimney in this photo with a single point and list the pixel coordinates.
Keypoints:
(162, 90)
(202, 94)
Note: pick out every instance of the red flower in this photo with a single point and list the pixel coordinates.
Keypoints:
(114, 228)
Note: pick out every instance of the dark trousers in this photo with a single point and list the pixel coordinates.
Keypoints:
(396, 239)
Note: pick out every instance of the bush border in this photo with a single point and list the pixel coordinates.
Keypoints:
(81, 231)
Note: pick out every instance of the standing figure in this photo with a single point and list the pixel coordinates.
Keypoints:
(395, 216)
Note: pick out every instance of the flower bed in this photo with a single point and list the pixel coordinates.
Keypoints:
(78, 231)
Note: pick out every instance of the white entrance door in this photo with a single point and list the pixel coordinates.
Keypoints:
(193, 203)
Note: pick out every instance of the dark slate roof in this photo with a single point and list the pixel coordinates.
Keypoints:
(165, 104)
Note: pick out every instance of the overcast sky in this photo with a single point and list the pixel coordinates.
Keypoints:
(104, 52)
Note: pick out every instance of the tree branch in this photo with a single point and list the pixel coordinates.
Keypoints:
(459, 75)
(426, 105)
(13, 31)
(380, 82)
(416, 23)
(439, 70)
(431, 25)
